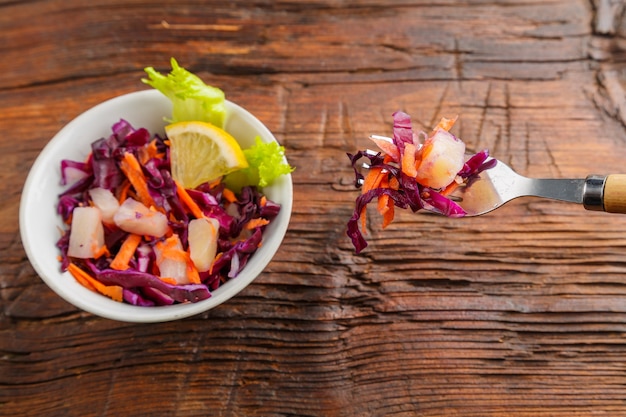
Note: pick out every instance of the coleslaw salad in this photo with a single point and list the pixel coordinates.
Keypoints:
(412, 171)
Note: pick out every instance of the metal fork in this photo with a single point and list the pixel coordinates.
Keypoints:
(500, 184)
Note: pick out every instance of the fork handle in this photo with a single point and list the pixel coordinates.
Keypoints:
(614, 196)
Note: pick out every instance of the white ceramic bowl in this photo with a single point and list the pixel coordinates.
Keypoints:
(39, 223)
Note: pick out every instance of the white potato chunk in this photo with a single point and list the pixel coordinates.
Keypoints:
(202, 237)
(73, 175)
(442, 157)
(106, 202)
(171, 259)
(134, 217)
(87, 233)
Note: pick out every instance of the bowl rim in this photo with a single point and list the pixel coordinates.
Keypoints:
(102, 306)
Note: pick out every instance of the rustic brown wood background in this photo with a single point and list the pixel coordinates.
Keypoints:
(518, 313)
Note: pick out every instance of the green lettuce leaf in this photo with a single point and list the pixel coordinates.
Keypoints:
(265, 164)
(192, 99)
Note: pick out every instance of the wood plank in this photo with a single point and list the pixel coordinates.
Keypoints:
(520, 312)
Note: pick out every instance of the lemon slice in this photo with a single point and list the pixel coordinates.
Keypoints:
(201, 152)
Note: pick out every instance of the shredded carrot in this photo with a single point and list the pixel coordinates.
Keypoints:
(386, 208)
(389, 214)
(170, 249)
(372, 179)
(376, 178)
(214, 183)
(167, 280)
(149, 151)
(126, 252)
(132, 161)
(423, 154)
(79, 275)
(364, 220)
(382, 203)
(384, 183)
(131, 168)
(114, 292)
(385, 203)
(188, 201)
(446, 124)
(192, 273)
(82, 281)
(254, 223)
(101, 251)
(408, 160)
(263, 201)
(123, 193)
(450, 188)
(229, 195)
(394, 184)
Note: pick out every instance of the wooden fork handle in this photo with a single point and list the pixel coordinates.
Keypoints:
(614, 196)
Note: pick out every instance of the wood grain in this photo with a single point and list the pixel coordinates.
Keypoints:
(518, 313)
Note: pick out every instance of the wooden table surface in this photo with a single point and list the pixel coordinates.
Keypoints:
(518, 313)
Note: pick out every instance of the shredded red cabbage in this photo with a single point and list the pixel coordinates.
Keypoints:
(141, 285)
(140, 281)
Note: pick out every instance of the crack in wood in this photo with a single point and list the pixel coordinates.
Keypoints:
(609, 22)
(607, 16)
